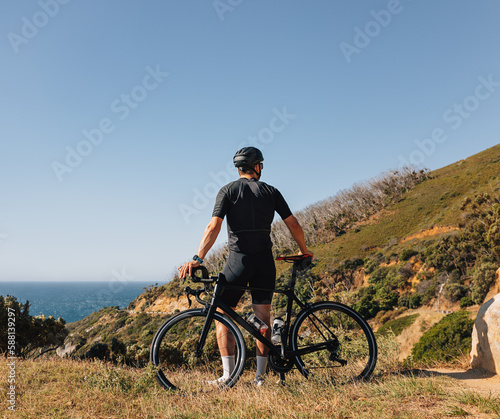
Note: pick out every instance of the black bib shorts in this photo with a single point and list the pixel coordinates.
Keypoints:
(255, 270)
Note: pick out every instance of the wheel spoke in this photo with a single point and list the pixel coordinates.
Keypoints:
(346, 345)
(174, 351)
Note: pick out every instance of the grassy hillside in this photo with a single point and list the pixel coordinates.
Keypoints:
(432, 244)
(433, 203)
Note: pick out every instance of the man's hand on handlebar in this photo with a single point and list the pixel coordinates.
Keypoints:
(187, 268)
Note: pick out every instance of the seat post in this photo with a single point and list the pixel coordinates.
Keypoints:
(293, 280)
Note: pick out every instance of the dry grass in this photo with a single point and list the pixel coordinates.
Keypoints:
(58, 388)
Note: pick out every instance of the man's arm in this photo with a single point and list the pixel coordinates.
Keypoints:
(297, 234)
(207, 241)
(209, 236)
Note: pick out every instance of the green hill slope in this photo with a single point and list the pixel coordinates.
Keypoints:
(433, 203)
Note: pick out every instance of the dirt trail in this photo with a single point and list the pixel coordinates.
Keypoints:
(479, 380)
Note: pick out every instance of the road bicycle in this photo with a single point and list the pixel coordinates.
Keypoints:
(326, 340)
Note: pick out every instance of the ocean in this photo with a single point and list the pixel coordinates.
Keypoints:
(72, 300)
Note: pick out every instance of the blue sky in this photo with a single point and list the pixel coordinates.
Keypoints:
(118, 119)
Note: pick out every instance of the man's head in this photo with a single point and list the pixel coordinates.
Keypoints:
(249, 160)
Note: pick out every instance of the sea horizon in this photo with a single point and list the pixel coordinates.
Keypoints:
(72, 300)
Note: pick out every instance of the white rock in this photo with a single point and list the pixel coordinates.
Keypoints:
(485, 351)
(68, 349)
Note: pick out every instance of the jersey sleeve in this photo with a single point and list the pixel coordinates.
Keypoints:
(221, 204)
(282, 207)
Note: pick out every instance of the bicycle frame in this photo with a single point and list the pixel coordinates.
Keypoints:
(284, 353)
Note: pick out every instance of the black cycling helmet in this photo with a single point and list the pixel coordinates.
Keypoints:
(248, 157)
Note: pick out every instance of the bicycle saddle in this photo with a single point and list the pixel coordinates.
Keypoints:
(300, 261)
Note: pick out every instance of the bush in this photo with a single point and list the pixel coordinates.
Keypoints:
(98, 351)
(482, 279)
(410, 300)
(32, 333)
(447, 340)
(373, 299)
(378, 275)
(407, 254)
(386, 298)
(370, 265)
(397, 325)
(118, 347)
(466, 301)
(366, 306)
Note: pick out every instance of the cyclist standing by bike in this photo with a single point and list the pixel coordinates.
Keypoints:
(249, 206)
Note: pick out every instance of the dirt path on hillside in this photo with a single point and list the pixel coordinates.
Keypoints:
(480, 380)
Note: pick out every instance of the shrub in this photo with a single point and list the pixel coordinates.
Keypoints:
(386, 298)
(397, 325)
(378, 275)
(447, 340)
(466, 301)
(454, 291)
(407, 254)
(429, 290)
(366, 306)
(118, 347)
(410, 300)
(33, 333)
(98, 351)
(482, 279)
(394, 280)
(370, 265)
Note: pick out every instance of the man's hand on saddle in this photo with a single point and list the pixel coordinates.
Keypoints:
(187, 268)
(306, 253)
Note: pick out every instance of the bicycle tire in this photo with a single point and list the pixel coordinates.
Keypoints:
(347, 349)
(173, 351)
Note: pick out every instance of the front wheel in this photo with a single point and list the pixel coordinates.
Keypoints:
(173, 350)
(333, 342)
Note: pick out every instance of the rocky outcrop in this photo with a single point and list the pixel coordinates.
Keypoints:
(485, 351)
(67, 349)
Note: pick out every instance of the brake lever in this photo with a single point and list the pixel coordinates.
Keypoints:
(187, 290)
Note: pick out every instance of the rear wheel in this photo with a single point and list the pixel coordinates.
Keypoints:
(173, 351)
(342, 344)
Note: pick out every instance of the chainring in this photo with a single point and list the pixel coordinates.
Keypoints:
(276, 363)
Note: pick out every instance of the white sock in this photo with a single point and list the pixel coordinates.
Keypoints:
(228, 366)
(261, 366)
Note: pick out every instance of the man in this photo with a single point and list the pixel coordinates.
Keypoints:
(249, 206)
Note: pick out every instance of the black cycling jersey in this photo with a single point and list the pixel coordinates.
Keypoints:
(249, 206)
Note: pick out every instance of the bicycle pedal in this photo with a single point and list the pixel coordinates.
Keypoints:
(342, 362)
